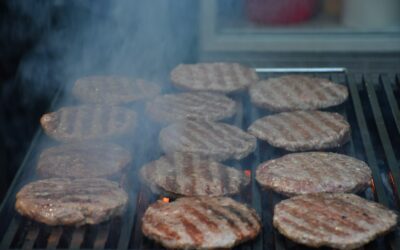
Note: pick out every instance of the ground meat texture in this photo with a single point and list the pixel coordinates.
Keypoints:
(200, 223)
(314, 172)
(214, 140)
(61, 201)
(88, 123)
(297, 92)
(83, 160)
(113, 90)
(340, 221)
(219, 77)
(302, 130)
(190, 175)
(193, 106)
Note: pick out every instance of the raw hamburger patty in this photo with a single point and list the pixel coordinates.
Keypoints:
(297, 92)
(189, 175)
(113, 89)
(194, 106)
(343, 221)
(60, 201)
(314, 172)
(88, 122)
(302, 130)
(220, 77)
(214, 140)
(80, 160)
(200, 223)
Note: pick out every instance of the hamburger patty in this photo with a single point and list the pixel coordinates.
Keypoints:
(214, 140)
(302, 130)
(83, 160)
(220, 77)
(297, 92)
(343, 221)
(200, 223)
(60, 201)
(189, 175)
(314, 172)
(194, 106)
(113, 90)
(88, 122)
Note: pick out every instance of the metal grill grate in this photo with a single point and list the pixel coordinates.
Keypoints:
(372, 111)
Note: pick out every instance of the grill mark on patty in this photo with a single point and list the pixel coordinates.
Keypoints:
(310, 123)
(328, 213)
(222, 217)
(311, 220)
(225, 180)
(238, 213)
(282, 130)
(326, 119)
(306, 132)
(280, 93)
(162, 227)
(204, 136)
(346, 208)
(189, 172)
(315, 89)
(301, 228)
(212, 226)
(194, 233)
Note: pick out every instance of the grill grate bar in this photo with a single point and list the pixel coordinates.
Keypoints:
(366, 139)
(9, 235)
(102, 236)
(31, 237)
(54, 238)
(387, 86)
(77, 238)
(383, 134)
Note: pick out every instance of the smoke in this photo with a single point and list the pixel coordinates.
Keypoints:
(62, 40)
(135, 38)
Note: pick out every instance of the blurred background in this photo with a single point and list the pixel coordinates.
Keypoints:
(46, 45)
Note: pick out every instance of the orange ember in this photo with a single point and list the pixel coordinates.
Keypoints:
(165, 199)
(247, 172)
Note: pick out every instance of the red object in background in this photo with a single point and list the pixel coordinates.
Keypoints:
(280, 11)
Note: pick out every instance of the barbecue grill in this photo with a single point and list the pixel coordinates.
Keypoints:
(372, 111)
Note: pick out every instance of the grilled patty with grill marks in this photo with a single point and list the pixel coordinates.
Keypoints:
(190, 175)
(61, 201)
(200, 223)
(343, 221)
(88, 122)
(113, 90)
(193, 106)
(302, 130)
(297, 92)
(214, 140)
(314, 172)
(220, 77)
(83, 160)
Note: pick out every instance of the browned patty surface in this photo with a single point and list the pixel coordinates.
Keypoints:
(214, 140)
(344, 221)
(61, 201)
(83, 160)
(297, 92)
(220, 77)
(302, 130)
(88, 122)
(189, 175)
(193, 106)
(314, 172)
(113, 89)
(200, 223)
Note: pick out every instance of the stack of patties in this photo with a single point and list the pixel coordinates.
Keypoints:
(300, 127)
(201, 220)
(77, 191)
(194, 143)
(321, 213)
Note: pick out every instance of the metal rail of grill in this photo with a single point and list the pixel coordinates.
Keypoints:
(372, 111)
